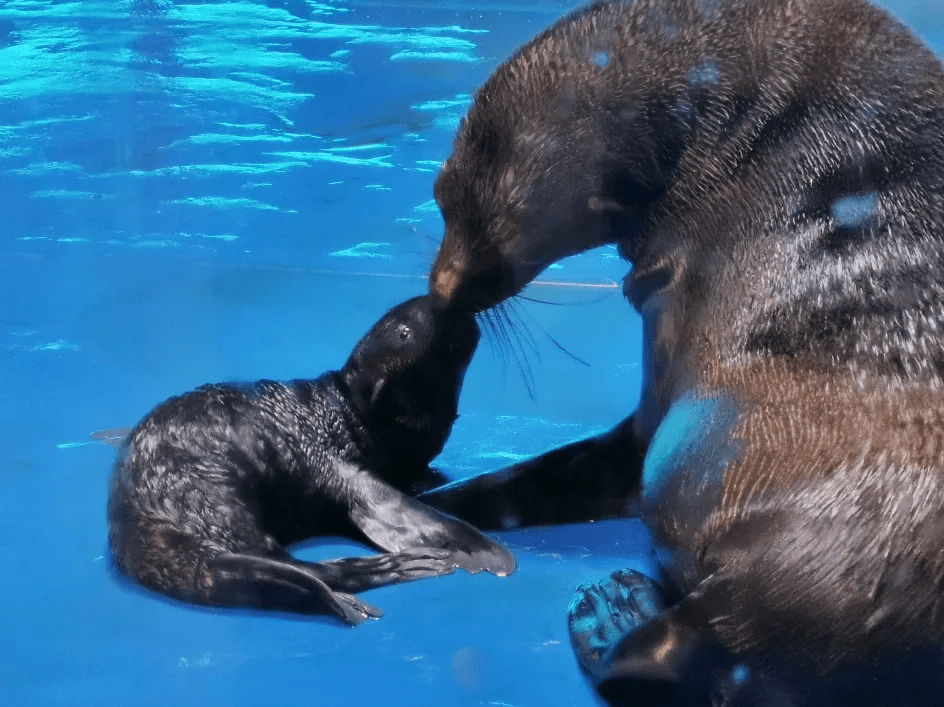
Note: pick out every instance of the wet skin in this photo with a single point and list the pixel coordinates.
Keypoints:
(211, 486)
(773, 171)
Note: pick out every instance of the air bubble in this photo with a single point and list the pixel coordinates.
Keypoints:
(709, 9)
(510, 520)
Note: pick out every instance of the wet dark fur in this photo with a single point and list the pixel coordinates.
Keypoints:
(212, 485)
(774, 172)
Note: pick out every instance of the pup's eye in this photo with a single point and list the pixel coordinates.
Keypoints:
(403, 332)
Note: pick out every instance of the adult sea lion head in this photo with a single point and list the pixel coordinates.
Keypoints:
(772, 169)
(560, 152)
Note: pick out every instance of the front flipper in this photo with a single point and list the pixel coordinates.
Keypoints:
(588, 480)
(357, 574)
(396, 522)
(113, 437)
(430, 479)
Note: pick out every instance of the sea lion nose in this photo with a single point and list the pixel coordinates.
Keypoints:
(443, 283)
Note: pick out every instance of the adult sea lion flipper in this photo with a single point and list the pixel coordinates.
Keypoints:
(592, 479)
(396, 522)
(637, 650)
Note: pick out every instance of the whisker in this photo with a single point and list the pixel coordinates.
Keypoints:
(539, 301)
(498, 322)
(491, 332)
(515, 308)
(511, 335)
(518, 344)
(507, 342)
(572, 355)
(599, 291)
(594, 300)
(549, 336)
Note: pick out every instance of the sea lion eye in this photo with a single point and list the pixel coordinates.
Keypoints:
(403, 332)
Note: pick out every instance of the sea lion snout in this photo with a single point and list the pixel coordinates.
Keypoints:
(443, 283)
(456, 335)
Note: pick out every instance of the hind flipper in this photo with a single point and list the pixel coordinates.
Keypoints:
(357, 574)
(601, 615)
(265, 583)
(396, 522)
(637, 652)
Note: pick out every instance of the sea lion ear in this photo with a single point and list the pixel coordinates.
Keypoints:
(377, 389)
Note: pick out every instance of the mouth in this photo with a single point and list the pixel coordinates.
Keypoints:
(457, 331)
(463, 342)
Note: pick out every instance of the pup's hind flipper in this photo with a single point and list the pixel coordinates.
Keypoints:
(396, 522)
(265, 583)
(285, 584)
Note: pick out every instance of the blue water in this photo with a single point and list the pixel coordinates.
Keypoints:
(210, 191)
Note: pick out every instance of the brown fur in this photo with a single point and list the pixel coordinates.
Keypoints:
(773, 170)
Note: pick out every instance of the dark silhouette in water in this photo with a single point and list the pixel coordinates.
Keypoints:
(774, 172)
(211, 486)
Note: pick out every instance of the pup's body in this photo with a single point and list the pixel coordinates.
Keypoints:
(211, 486)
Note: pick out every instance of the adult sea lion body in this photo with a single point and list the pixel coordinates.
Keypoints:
(774, 172)
(212, 485)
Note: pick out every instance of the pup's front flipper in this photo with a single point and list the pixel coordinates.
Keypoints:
(251, 581)
(395, 522)
(357, 574)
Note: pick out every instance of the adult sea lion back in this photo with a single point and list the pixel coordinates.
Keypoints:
(774, 172)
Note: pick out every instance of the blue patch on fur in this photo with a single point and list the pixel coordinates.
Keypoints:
(694, 438)
(740, 674)
(855, 211)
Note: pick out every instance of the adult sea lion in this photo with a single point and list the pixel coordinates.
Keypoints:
(212, 485)
(774, 172)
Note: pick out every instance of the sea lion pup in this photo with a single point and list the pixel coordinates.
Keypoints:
(211, 486)
(773, 170)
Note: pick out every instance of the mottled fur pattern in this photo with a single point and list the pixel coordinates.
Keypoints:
(212, 485)
(774, 172)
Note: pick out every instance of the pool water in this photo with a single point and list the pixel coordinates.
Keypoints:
(209, 191)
